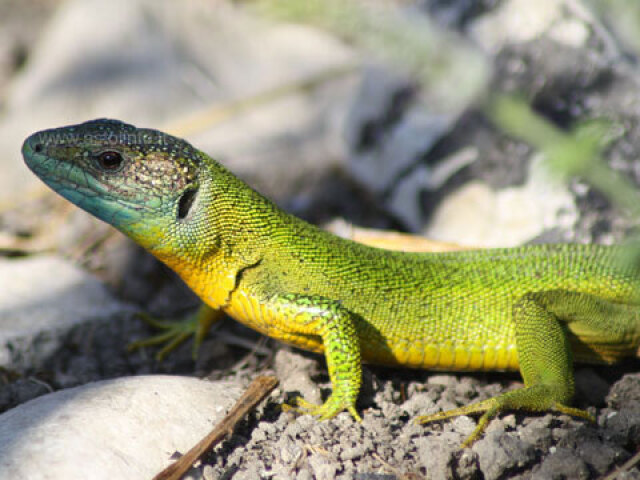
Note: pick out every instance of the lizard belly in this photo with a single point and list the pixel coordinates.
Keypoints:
(250, 311)
(445, 355)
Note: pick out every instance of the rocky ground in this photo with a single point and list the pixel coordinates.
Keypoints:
(370, 147)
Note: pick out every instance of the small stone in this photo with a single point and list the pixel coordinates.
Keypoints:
(323, 468)
(209, 473)
(563, 463)
(436, 454)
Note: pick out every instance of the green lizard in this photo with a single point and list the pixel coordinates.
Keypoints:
(532, 308)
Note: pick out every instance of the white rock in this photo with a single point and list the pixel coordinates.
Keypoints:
(43, 297)
(476, 215)
(572, 32)
(122, 429)
(516, 21)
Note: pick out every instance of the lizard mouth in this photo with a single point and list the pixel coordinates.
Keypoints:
(58, 174)
(30, 149)
(68, 179)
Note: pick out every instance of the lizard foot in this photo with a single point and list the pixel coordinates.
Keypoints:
(176, 332)
(329, 409)
(490, 408)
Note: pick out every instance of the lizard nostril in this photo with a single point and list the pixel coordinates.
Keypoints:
(37, 148)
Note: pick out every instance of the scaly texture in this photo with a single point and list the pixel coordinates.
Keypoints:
(531, 308)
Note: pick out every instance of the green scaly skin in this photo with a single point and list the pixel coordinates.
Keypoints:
(535, 308)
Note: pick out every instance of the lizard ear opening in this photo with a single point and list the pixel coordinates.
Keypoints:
(186, 202)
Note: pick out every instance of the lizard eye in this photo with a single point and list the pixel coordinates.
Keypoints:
(110, 161)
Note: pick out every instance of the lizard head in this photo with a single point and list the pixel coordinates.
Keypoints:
(141, 181)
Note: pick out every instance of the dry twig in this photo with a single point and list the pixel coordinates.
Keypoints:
(255, 393)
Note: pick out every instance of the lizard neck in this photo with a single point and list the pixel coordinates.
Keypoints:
(229, 228)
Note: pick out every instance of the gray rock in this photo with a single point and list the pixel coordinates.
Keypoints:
(386, 131)
(626, 392)
(537, 432)
(562, 464)
(379, 102)
(42, 299)
(600, 456)
(623, 427)
(127, 428)
(82, 76)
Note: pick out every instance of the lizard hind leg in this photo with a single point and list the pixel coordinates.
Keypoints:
(545, 358)
(527, 398)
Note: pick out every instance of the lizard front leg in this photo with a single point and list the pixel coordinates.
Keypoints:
(175, 332)
(294, 315)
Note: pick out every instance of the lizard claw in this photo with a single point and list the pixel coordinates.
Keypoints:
(329, 409)
(177, 331)
(173, 334)
(493, 406)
